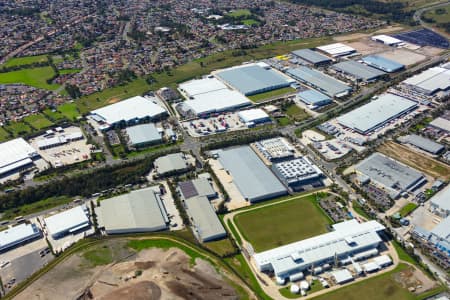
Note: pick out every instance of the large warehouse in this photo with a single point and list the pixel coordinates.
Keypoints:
(349, 240)
(430, 81)
(16, 155)
(357, 71)
(129, 112)
(137, 211)
(173, 163)
(18, 235)
(441, 124)
(297, 173)
(253, 179)
(253, 79)
(387, 40)
(336, 50)
(318, 80)
(143, 135)
(422, 143)
(67, 222)
(440, 203)
(313, 98)
(311, 57)
(196, 87)
(377, 113)
(392, 176)
(382, 63)
(254, 116)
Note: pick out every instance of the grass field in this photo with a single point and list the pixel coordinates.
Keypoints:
(271, 94)
(4, 135)
(99, 257)
(407, 209)
(38, 121)
(53, 115)
(18, 128)
(221, 247)
(69, 71)
(250, 22)
(283, 121)
(439, 15)
(296, 113)
(240, 13)
(35, 207)
(283, 223)
(69, 110)
(34, 77)
(427, 165)
(26, 60)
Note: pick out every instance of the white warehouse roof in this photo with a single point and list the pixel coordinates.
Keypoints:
(336, 49)
(18, 234)
(67, 221)
(386, 39)
(431, 80)
(14, 154)
(253, 115)
(201, 86)
(134, 108)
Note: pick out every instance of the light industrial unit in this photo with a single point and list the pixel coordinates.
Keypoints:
(422, 143)
(275, 149)
(18, 235)
(253, 116)
(16, 155)
(358, 71)
(440, 203)
(143, 135)
(430, 81)
(297, 173)
(311, 57)
(171, 163)
(68, 222)
(336, 49)
(313, 98)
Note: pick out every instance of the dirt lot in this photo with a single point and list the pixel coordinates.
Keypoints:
(149, 274)
(366, 46)
(403, 56)
(413, 279)
(429, 166)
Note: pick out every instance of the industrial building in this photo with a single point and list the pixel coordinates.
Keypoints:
(197, 187)
(174, 163)
(213, 102)
(376, 113)
(349, 241)
(320, 81)
(387, 40)
(357, 71)
(297, 173)
(440, 203)
(313, 98)
(430, 81)
(254, 116)
(58, 139)
(18, 235)
(253, 79)
(68, 222)
(342, 276)
(205, 85)
(16, 155)
(381, 63)
(392, 176)
(422, 143)
(275, 149)
(143, 135)
(138, 211)
(253, 179)
(441, 124)
(438, 237)
(311, 57)
(336, 50)
(128, 112)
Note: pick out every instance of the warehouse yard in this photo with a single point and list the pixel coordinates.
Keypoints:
(282, 223)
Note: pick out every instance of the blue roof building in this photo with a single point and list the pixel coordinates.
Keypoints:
(382, 63)
(314, 98)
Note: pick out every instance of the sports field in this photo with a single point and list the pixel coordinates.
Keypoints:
(280, 224)
(38, 121)
(36, 77)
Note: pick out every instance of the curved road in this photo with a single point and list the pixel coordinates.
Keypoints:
(418, 16)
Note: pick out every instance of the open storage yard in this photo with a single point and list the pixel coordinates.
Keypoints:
(282, 223)
(427, 165)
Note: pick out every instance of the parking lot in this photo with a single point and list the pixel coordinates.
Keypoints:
(221, 123)
(332, 149)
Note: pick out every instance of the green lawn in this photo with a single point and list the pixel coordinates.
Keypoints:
(239, 13)
(4, 135)
(35, 207)
(407, 209)
(296, 113)
(53, 115)
(26, 60)
(99, 257)
(34, 77)
(38, 121)
(283, 121)
(358, 208)
(221, 247)
(270, 94)
(250, 22)
(69, 110)
(18, 128)
(69, 71)
(280, 224)
(439, 15)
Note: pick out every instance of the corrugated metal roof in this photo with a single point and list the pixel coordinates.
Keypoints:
(253, 179)
(358, 70)
(196, 187)
(16, 152)
(376, 113)
(216, 101)
(441, 123)
(143, 133)
(431, 80)
(252, 115)
(61, 223)
(442, 199)
(170, 162)
(316, 79)
(253, 79)
(311, 56)
(201, 86)
(442, 230)
(382, 63)
(313, 97)
(422, 143)
(16, 234)
(336, 49)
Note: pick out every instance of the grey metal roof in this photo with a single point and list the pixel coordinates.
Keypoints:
(144, 133)
(376, 113)
(441, 123)
(389, 173)
(170, 162)
(206, 222)
(253, 179)
(319, 80)
(253, 79)
(422, 143)
(442, 230)
(196, 187)
(313, 97)
(137, 211)
(358, 70)
(442, 199)
(311, 56)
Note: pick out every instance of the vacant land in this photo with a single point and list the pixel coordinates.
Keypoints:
(53, 115)
(271, 94)
(427, 165)
(26, 60)
(439, 15)
(296, 113)
(4, 135)
(38, 121)
(18, 128)
(36, 77)
(222, 247)
(69, 110)
(240, 13)
(280, 224)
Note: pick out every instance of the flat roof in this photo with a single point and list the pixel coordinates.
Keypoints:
(389, 173)
(201, 86)
(313, 97)
(376, 113)
(196, 187)
(17, 234)
(422, 143)
(15, 153)
(216, 101)
(253, 179)
(442, 199)
(252, 79)
(252, 115)
(143, 133)
(358, 70)
(206, 222)
(319, 80)
(138, 211)
(382, 63)
(442, 230)
(297, 169)
(170, 162)
(342, 275)
(389, 40)
(431, 80)
(441, 123)
(336, 49)
(63, 222)
(311, 56)
(130, 109)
